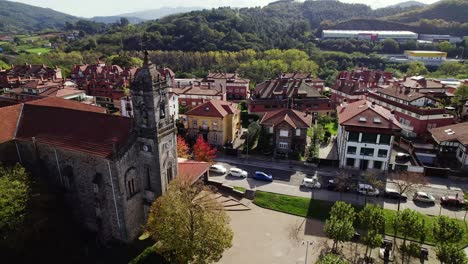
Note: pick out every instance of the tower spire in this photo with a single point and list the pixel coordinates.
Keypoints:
(146, 60)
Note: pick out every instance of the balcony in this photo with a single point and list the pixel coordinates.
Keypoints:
(407, 128)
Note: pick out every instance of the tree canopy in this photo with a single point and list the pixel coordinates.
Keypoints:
(339, 227)
(203, 151)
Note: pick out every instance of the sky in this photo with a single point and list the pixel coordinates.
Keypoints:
(90, 8)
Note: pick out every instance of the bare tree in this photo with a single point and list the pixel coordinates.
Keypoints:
(406, 181)
(342, 182)
(373, 179)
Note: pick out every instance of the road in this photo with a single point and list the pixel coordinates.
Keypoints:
(286, 181)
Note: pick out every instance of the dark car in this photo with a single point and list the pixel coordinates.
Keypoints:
(333, 186)
(395, 195)
(452, 201)
(261, 176)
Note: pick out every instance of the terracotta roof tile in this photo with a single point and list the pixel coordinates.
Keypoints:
(401, 93)
(363, 114)
(83, 131)
(214, 108)
(457, 132)
(69, 104)
(294, 118)
(8, 121)
(190, 170)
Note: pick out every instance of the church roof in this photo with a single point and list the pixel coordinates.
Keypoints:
(9, 119)
(190, 170)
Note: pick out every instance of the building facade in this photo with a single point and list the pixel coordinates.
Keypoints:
(365, 138)
(217, 121)
(19, 75)
(400, 36)
(426, 56)
(108, 176)
(236, 88)
(452, 142)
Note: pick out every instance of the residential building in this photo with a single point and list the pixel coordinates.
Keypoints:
(298, 91)
(109, 169)
(217, 121)
(353, 85)
(373, 35)
(452, 142)
(428, 57)
(236, 88)
(423, 85)
(19, 75)
(289, 130)
(192, 93)
(366, 133)
(36, 89)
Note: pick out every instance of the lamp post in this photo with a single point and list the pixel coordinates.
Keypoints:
(307, 248)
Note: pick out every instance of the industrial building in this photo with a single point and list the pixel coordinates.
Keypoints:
(399, 36)
(440, 38)
(428, 57)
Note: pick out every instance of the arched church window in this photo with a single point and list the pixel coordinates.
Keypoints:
(131, 184)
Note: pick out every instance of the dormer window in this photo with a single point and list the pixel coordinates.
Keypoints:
(362, 119)
(377, 120)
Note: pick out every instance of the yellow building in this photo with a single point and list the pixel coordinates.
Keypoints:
(217, 121)
(429, 57)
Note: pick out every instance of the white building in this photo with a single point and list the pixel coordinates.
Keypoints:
(373, 35)
(365, 135)
(453, 139)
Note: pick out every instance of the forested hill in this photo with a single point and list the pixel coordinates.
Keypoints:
(17, 17)
(448, 10)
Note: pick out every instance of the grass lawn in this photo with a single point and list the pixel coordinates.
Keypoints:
(332, 128)
(240, 189)
(38, 50)
(318, 209)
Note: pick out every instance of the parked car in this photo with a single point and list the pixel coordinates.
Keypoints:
(366, 189)
(452, 201)
(217, 168)
(311, 183)
(236, 172)
(424, 198)
(262, 176)
(394, 194)
(333, 186)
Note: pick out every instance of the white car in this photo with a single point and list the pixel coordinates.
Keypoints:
(424, 197)
(218, 169)
(311, 183)
(236, 172)
(366, 189)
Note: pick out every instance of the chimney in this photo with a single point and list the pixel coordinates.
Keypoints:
(391, 117)
(404, 78)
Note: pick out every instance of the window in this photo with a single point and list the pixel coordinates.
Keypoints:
(316, 105)
(460, 153)
(353, 137)
(351, 150)
(367, 151)
(378, 164)
(95, 188)
(385, 139)
(382, 153)
(284, 133)
(148, 177)
(270, 130)
(194, 123)
(350, 162)
(298, 132)
(369, 138)
(194, 103)
(215, 125)
(283, 145)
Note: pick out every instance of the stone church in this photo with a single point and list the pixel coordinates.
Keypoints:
(110, 168)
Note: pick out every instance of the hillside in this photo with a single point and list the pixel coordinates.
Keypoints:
(160, 12)
(448, 10)
(17, 17)
(116, 19)
(407, 4)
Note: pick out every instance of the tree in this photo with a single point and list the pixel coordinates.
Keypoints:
(183, 150)
(449, 253)
(331, 258)
(416, 68)
(410, 224)
(14, 198)
(372, 178)
(447, 230)
(342, 181)
(189, 225)
(372, 219)
(406, 182)
(203, 151)
(339, 227)
(460, 96)
(390, 46)
(446, 46)
(124, 22)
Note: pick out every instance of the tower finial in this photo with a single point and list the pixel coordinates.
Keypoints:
(146, 60)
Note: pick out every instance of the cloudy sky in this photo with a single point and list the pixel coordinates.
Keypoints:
(89, 8)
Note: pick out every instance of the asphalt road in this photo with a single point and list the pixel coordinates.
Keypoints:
(288, 182)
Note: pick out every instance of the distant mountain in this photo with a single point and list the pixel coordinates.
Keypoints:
(17, 17)
(448, 10)
(115, 19)
(160, 12)
(407, 4)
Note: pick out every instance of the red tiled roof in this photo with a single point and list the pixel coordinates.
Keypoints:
(7, 102)
(294, 118)
(190, 171)
(8, 121)
(69, 104)
(457, 132)
(401, 93)
(214, 108)
(83, 131)
(363, 113)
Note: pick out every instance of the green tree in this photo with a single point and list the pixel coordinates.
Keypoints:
(409, 223)
(416, 68)
(14, 198)
(372, 219)
(390, 46)
(460, 96)
(447, 230)
(331, 258)
(449, 253)
(189, 225)
(446, 46)
(339, 227)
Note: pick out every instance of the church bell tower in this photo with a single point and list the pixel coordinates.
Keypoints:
(155, 127)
